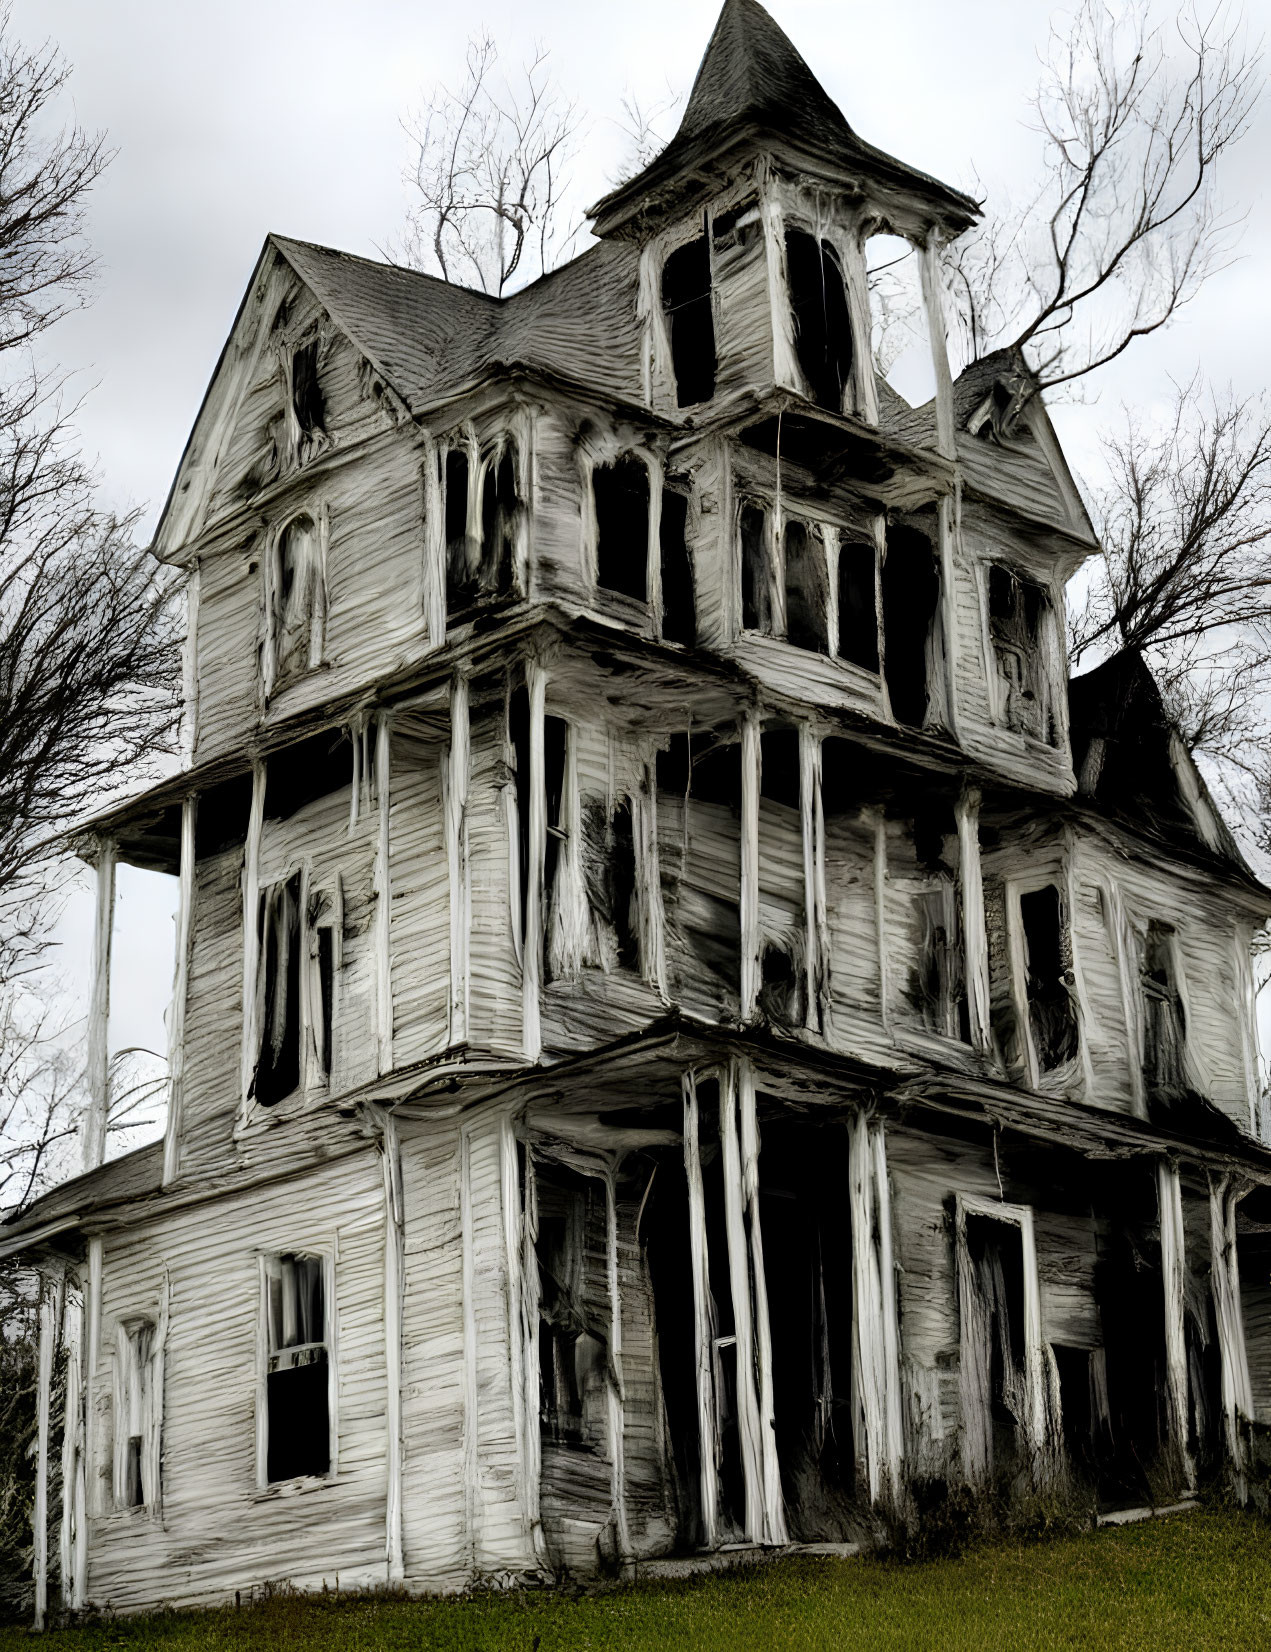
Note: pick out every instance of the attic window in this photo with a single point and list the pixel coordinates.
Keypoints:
(686, 300)
(620, 492)
(297, 1380)
(1052, 1012)
(306, 393)
(998, 417)
(822, 328)
(1017, 609)
(463, 548)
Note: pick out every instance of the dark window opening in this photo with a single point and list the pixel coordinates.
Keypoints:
(278, 1063)
(306, 392)
(1164, 1028)
(1016, 608)
(679, 607)
(738, 228)
(756, 587)
(221, 820)
(822, 328)
(807, 1242)
(807, 587)
(911, 595)
(621, 494)
(326, 992)
(994, 1324)
(299, 1427)
(938, 984)
(133, 1497)
(463, 552)
(779, 770)
(1052, 1011)
(300, 774)
(555, 736)
(686, 299)
(572, 1307)
(500, 517)
(858, 609)
(782, 997)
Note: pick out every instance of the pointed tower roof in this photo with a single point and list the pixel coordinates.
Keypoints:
(753, 89)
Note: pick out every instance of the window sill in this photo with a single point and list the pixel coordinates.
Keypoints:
(301, 1486)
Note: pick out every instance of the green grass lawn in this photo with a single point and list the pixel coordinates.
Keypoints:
(1189, 1581)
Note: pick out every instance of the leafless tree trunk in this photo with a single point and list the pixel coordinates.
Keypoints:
(491, 170)
(1125, 223)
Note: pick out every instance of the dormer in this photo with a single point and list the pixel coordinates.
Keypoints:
(752, 225)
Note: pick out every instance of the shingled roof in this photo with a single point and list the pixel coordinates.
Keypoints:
(754, 87)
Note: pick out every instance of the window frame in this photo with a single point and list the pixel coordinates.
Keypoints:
(315, 1077)
(1050, 675)
(327, 1256)
(275, 676)
(1052, 876)
(139, 1381)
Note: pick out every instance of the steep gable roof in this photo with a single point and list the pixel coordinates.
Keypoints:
(753, 84)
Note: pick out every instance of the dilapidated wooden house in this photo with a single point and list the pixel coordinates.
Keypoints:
(688, 1028)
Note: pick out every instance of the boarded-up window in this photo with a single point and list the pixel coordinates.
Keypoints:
(1017, 608)
(679, 606)
(822, 329)
(297, 1380)
(1052, 1011)
(621, 494)
(296, 602)
(138, 1413)
(686, 300)
(1164, 1027)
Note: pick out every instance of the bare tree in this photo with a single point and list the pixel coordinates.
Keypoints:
(646, 128)
(1184, 518)
(490, 166)
(1125, 223)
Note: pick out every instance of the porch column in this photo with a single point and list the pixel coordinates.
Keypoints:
(1173, 1273)
(50, 1304)
(1236, 1390)
(180, 990)
(455, 805)
(875, 1332)
(703, 1351)
(383, 895)
(394, 1272)
(971, 880)
(751, 761)
(816, 924)
(532, 894)
(97, 1066)
(772, 1528)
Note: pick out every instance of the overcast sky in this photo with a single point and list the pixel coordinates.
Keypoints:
(234, 119)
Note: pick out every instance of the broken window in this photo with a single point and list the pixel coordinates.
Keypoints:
(1164, 1028)
(807, 586)
(1017, 608)
(555, 737)
(278, 1063)
(306, 394)
(137, 1413)
(621, 494)
(911, 596)
(296, 601)
(609, 871)
(1052, 1011)
(900, 339)
(857, 604)
(756, 578)
(822, 329)
(938, 985)
(686, 301)
(679, 607)
(573, 1309)
(297, 1381)
(995, 1402)
(463, 549)
(500, 522)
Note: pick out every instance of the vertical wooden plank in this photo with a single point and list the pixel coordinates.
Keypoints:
(97, 1074)
(864, 389)
(251, 933)
(929, 266)
(1174, 1276)
(190, 671)
(748, 1426)
(751, 758)
(893, 1436)
(383, 895)
(394, 1266)
(180, 991)
(699, 1262)
(615, 1388)
(49, 1305)
(455, 804)
(773, 1527)
(1235, 1388)
(532, 962)
(975, 935)
(72, 1446)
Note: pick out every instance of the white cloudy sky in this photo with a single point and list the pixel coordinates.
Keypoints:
(234, 119)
